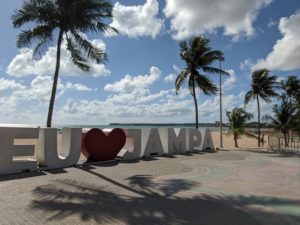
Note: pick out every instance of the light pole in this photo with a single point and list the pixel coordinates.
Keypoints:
(221, 121)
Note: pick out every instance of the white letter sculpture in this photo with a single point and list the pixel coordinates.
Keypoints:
(177, 140)
(207, 143)
(132, 148)
(70, 150)
(152, 142)
(8, 150)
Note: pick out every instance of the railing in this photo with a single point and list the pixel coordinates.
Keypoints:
(278, 144)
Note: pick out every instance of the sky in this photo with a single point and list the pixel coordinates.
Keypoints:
(136, 85)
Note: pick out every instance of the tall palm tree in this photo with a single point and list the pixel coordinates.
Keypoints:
(263, 87)
(284, 117)
(199, 58)
(66, 20)
(238, 118)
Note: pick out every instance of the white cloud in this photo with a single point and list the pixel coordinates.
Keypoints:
(10, 84)
(23, 64)
(70, 106)
(108, 111)
(137, 21)
(7, 105)
(133, 102)
(201, 16)
(38, 90)
(247, 64)
(209, 109)
(170, 78)
(77, 87)
(137, 97)
(130, 83)
(285, 55)
(229, 81)
(272, 23)
(176, 69)
(125, 107)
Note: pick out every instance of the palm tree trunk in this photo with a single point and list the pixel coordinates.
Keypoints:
(55, 79)
(235, 141)
(285, 139)
(258, 120)
(196, 104)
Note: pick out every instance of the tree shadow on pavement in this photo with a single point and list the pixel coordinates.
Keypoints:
(146, 201)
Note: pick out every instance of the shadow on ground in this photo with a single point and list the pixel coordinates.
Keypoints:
(144, 201)
(21, 175)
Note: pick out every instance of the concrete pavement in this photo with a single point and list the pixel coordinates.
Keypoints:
(227, 187)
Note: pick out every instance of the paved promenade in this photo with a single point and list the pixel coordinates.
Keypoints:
(224, 188)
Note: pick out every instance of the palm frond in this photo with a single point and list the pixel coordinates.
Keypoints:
(180, 79)
(76, 56)
(39, 11)
(216, 55)
(206, 85)
(106, 28)
(183, 46)
(87, 15)
(248, 97)
(92, 52)
(209, 69)
(40, 49)
(38, 34)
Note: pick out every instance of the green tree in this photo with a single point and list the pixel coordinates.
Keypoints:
(262, 87)
(291, 87)
(65, 20)
(238, 118)
(198, 57)
(284, 117)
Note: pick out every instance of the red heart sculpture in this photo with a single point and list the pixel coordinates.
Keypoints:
(102, 147)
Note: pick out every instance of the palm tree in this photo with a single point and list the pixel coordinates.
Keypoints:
(262, 87)
(67, 19)
(291, 87)
(198, 57)
(238, 118)
(284, 116)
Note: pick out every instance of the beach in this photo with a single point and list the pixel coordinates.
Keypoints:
(244, 142)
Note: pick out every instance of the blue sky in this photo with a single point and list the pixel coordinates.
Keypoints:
(137, 83)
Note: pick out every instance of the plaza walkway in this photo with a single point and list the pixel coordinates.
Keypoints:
(223, 188)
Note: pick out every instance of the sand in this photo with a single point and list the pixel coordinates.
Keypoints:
(244, 142)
